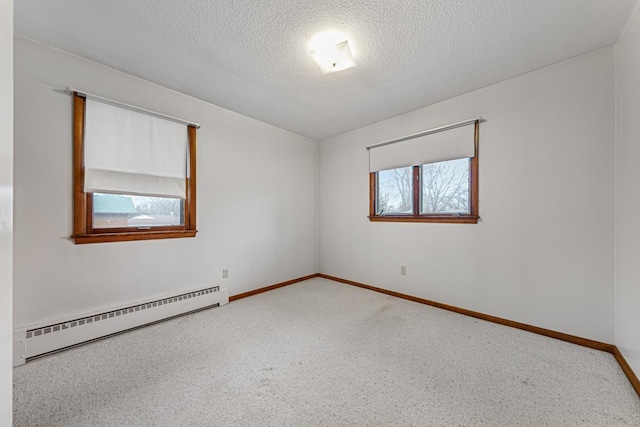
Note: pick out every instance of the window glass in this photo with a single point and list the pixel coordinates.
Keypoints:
(395, 191)
(116, 210)
(445, 187)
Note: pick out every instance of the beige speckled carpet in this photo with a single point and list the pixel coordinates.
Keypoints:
(320, 353)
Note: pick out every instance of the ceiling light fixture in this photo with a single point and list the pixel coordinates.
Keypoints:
(332, 53)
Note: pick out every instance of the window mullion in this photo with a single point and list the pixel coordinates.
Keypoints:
(416, 190)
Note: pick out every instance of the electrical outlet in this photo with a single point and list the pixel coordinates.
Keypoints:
(403, 270)
(225, 273)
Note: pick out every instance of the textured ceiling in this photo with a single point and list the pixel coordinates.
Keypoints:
(251, 56)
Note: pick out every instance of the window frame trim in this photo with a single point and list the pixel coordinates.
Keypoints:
(471, 218)
(83, 231)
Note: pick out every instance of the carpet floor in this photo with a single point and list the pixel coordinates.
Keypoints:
(321, 353)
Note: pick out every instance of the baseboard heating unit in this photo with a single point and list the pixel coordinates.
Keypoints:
(39, 340)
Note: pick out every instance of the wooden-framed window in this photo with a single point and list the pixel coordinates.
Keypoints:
(113, 204)
(439, 185)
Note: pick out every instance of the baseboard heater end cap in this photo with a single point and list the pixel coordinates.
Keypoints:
(224, 295)
(19, 347)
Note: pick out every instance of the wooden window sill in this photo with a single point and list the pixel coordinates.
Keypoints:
(467, 219)
(132, 235)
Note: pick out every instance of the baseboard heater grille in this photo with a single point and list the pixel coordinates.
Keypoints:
(37, 341)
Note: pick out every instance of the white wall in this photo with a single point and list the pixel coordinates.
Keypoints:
(543, 253)
(6, 207)
(627, 200)
(257, 199)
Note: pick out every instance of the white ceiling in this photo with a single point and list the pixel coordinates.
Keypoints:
(251, 56)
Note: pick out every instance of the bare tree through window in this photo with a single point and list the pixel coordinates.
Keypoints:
(444, 188)
(395, 191)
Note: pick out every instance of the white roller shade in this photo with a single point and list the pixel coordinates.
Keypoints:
(451, 144)
(129, 152)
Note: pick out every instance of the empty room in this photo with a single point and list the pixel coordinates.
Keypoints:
(319, 213)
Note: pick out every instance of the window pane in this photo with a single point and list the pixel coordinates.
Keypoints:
(445, 187)
(395, 191)
(116, 210)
